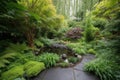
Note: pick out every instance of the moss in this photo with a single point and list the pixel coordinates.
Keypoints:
(91, 51)
(13, 73)
(32, 68)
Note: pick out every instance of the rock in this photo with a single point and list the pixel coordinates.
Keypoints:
(66, 60)
(64, 56)
(79, 56)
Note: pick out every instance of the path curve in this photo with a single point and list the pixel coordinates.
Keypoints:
(75, 73)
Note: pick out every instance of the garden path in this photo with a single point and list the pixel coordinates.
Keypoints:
(75, 73)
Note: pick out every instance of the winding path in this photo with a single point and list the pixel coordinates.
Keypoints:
(74, 73)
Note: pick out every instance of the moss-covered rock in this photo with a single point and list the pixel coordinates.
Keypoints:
(13, 73)
(32, 68)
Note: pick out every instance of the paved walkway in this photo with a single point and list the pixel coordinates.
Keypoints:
(74, 73)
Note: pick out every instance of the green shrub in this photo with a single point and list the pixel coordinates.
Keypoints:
(79, 50)
(73, 23)
(73, 59)
(13, 73)
(50, 59)
(78, 47)
(63, 64)
(32, 68)
(38, 43)
(90, 31)
(99, 22)
(91, 51)
(61, 32)
(46, 41)
(102, 67)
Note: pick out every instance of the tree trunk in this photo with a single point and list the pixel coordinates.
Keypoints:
(30, 37)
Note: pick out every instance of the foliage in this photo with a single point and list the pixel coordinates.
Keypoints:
(18, 48)
(91, 51)
(61, 32)
(49, 59)
(32, 68)
(22, 21)
(90, 30)
(19, 78)
(104, 67)
(73, 59)
(108, 9)
(49, 21)
(38, 43)
(99, 22)
(3, 45)
(73, 23)
(5, 59)
(63, 64)
(78, 48)
(13, 73)
(80, 51)
(46, 41)
(13, 53)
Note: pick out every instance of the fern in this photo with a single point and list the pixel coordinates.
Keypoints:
(18, 48)
(5, 59)
(11, 53)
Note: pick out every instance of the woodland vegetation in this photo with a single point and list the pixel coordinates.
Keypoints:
(40, 34)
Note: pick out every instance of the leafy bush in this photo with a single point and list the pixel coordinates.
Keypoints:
(38, 43)
(46, 41)
(79, 51)
(63, 64)
(32, 68)
(13, 73)
(61, 32)
(99, 22)
(91, 51)
(77, 47)
(90, 31)
(50, 59)
(73, 23)
(73, 59)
